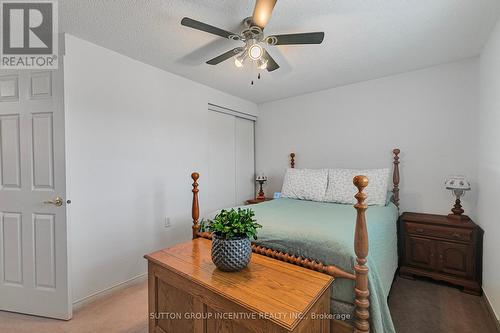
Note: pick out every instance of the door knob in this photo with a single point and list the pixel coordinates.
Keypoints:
(58, 201)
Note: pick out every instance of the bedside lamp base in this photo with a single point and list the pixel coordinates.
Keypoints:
(261, 195)
(458, 211)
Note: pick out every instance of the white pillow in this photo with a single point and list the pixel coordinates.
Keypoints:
(305, 184)
(342, 190)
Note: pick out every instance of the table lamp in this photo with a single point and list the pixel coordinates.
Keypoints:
(458, 185)
(261, 179)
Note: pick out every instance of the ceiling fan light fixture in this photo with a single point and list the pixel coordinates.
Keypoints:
(238, 63)
(240, 59)
(262, 63)
(255, 51)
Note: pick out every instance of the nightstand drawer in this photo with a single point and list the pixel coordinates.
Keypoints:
(438, 231)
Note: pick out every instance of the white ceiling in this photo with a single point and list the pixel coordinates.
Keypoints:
(364, 39)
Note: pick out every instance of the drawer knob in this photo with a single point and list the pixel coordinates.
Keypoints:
(419, 230)
(456, 235)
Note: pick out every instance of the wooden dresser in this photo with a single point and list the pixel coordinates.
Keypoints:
(441, 248)
(187, 293)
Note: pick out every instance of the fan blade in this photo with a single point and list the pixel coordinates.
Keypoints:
(188, 22)
(271, 64)
(291, 39)
(225, 56)
(262, 12)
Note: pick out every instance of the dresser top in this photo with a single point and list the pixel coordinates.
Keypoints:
(437, 219)
(267, 286)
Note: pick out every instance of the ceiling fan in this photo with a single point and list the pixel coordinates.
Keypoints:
(254, 39)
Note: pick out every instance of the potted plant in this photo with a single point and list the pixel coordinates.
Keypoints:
(231, 232)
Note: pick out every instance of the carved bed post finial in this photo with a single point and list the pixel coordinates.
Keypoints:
(292, 160)
(361, 291)
(395, 177)
(195, 211)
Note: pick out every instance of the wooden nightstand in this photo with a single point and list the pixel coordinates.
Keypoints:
(441, 248)
(256, 201)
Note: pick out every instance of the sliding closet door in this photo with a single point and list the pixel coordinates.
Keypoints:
(221, 166)
(230, 178)
(245, 162)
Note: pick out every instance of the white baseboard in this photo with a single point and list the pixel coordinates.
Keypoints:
(491, 311)
(87, 299)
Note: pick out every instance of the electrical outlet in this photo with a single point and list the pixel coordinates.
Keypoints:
(167, 222)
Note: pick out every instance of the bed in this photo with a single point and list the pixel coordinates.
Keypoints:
(319, 236)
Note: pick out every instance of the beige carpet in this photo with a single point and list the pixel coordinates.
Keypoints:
(416, 306)
(124, 311)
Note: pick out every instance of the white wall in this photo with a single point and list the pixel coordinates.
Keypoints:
(134, 134)
(489, 165)
(431, 115)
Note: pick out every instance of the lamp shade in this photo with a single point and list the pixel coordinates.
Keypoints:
(261, 177)
(457, 183)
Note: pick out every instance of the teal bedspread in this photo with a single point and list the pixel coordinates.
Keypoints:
(325, 232)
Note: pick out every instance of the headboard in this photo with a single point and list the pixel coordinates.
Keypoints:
(395, 174)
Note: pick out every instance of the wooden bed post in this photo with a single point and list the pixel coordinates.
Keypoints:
(195, 211)
(361, 291)
(395, 177)
(292, 160)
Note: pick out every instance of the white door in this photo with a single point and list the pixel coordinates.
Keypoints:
(33, 236)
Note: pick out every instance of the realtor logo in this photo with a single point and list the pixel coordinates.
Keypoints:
(29, 34)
